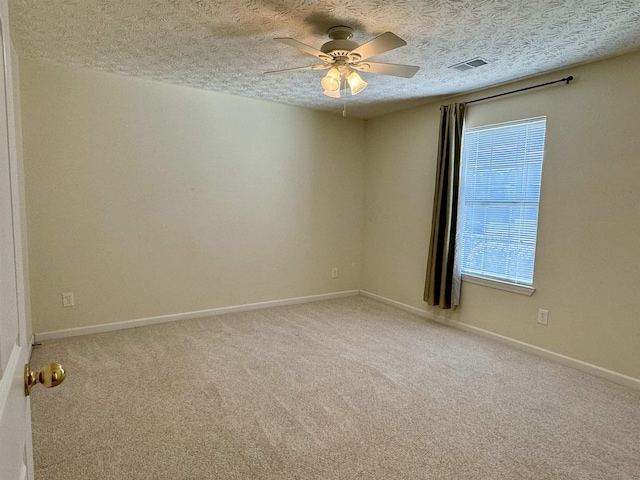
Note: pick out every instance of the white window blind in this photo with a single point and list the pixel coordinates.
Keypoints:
(501, 173)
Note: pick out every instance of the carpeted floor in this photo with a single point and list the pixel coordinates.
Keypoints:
(340, 389)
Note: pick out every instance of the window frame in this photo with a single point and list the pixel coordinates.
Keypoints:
(488, 281)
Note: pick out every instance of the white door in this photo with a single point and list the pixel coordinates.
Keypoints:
(16, 458)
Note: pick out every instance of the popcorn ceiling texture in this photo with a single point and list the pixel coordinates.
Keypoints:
(226, 45)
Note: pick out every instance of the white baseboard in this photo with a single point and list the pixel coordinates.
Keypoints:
(141, 322)
(557, 357)
(400, 305)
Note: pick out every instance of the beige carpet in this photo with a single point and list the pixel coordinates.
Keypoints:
(341, 389)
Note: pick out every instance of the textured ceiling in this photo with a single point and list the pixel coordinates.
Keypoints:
(226, 45)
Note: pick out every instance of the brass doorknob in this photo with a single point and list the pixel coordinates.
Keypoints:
(50, 376)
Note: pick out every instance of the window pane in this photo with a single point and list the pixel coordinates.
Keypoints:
(502, 168)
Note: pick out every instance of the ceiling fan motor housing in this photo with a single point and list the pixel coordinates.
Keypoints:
(339, 45)
(338, 48)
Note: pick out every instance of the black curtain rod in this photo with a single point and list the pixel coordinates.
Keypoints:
(567, 79)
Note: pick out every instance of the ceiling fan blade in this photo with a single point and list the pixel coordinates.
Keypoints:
(305, 48)
(310, 67)
(406, 71)
(382, 43)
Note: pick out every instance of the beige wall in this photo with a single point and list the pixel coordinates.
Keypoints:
(148, 199)
(588, 253)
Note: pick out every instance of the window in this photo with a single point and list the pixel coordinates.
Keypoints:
(501, 172)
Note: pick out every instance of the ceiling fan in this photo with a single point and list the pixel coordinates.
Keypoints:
(344, 58)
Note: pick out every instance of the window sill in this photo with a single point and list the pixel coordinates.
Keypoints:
(509, 287)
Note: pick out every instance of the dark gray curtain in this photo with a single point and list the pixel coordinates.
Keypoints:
(442, 285)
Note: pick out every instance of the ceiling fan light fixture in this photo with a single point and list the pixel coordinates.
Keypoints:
(331, 81)
(344, 58)
(356, 83)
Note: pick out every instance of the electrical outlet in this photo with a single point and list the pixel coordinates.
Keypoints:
(67, 299)
(543, 317)
(334, 273)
